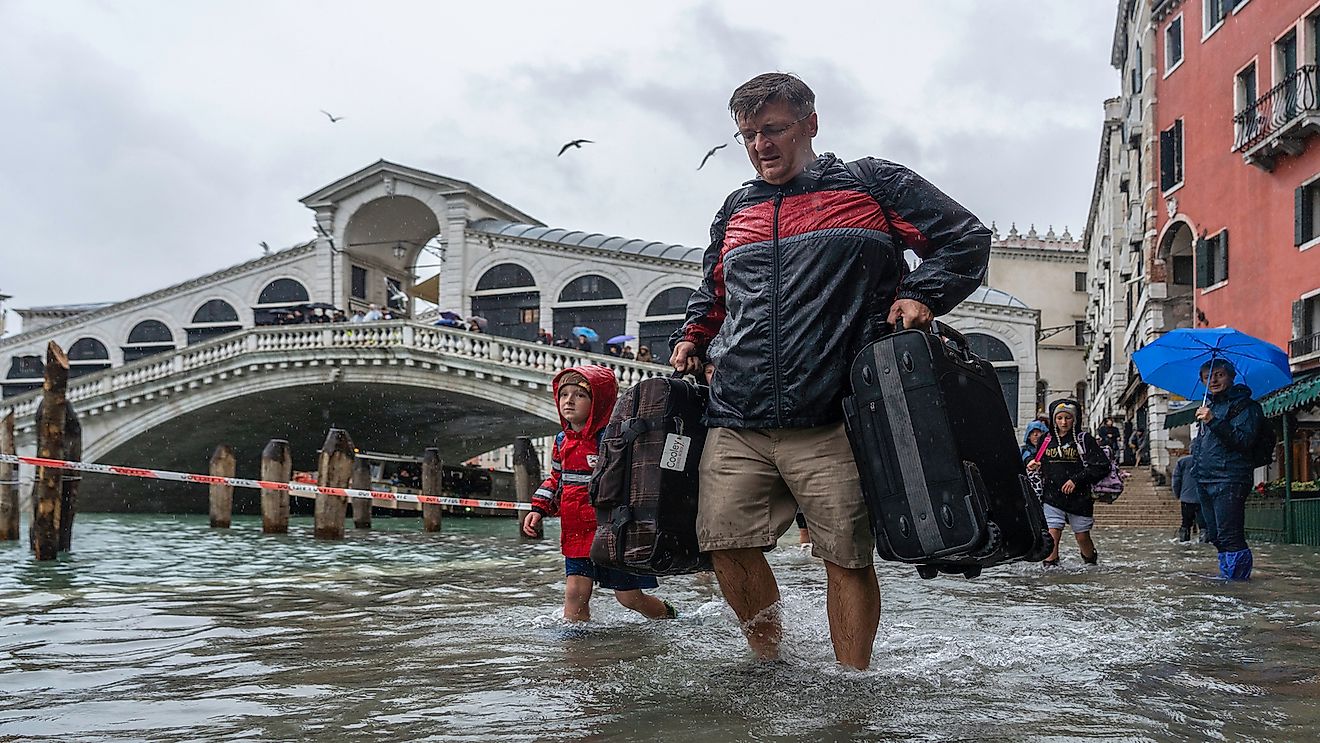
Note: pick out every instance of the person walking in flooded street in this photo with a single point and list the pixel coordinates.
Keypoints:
(804, 267)
(1070, 463)
(1229, 422)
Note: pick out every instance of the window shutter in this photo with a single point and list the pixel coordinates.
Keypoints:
(1202, 263)
(1166, 160)
(1221, 270)
(1299, 329)
(1301, 216)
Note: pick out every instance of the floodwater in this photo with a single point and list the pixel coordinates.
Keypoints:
(159, 628)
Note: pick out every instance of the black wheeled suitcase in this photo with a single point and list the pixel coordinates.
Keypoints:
(644, 484)
(940, 467)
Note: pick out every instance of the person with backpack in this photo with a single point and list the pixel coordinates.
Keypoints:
(1070, 461)
(1227, 448)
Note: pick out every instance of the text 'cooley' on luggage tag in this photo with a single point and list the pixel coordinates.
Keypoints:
(675, 455)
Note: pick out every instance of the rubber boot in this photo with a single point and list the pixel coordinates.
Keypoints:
(1184, 534)
(1093, 559)
(1235, 565)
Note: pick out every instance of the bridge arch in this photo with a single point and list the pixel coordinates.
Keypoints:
(664, 313)
(212, 318)
(278, 294)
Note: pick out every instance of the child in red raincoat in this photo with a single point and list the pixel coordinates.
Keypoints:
(585, 396)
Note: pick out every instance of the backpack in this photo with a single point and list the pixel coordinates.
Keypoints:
(1110, 486)
(1261, 450)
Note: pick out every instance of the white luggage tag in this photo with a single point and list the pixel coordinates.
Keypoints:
(675, 454)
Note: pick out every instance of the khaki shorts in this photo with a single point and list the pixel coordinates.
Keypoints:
(753, 481)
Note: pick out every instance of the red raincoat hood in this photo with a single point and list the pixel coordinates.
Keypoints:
(604, 392)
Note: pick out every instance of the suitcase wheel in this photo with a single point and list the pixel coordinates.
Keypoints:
(994, 539)
(972, 571)
(927, 571)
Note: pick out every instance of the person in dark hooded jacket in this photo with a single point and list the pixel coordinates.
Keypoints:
(1229, 421)
(1072, 462)
(1031, 440)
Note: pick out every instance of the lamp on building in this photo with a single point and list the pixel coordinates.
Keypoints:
(400, 251)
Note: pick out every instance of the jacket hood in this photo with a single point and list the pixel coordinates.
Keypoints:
(1077, 419)
(604, 391)
(1233, 394)
(1033, 426)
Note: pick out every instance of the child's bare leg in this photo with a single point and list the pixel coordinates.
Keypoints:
(577, 598)
(643, 603)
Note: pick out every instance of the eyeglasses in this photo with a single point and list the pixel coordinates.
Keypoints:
(769, 132)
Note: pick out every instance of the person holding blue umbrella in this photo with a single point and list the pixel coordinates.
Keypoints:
(1234, 368)
(1229, 420)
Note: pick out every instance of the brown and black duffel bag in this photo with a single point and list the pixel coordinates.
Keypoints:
(644, 485)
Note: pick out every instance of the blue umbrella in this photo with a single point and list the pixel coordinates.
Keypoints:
(1173, 361)
(621, 339)
(451, 315)
(583, 330)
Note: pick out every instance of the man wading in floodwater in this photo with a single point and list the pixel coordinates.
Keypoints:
(801, 272)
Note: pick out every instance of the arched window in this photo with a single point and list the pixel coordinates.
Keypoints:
(215, 311)
(146, 338)
(283, 291)
(1001, 358)
(214, 318)
(26, 371)
(1042, 396)
(88, 349)
(505, 276)
(506, 296)
(87, 355)
(596, 303)
(590, 288)
(664, 315)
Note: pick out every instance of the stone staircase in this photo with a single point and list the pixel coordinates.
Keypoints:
(1143, 504)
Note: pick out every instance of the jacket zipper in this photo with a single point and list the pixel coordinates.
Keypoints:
(774, 308)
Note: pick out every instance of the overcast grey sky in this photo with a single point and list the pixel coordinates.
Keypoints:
(148, 142)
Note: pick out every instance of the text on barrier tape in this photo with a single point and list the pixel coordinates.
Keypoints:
(295, 488)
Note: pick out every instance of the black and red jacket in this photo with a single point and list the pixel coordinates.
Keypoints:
(799, 277)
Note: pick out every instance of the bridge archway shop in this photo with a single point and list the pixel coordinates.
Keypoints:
(593, 301)
(507, 296)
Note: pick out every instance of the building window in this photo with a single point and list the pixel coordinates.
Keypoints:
(505, 276)
(1138, 69)
(1306, 215)
(283, 291)
(1247, 122)
(1079, 332)
(1171, 156)
(1212, 260)
(1214, 13)
(1306, 327)
(1285, 64)
(1173, 45)
(1079, 281)
(358, 283)
(1182, 270)
(530, 315)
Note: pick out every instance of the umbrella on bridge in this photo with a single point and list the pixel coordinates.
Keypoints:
(479, 322)
(621, 339)
(1173, 361)
(451, 315)
(591, 335)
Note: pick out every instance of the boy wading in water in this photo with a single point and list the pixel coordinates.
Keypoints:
(584, 396)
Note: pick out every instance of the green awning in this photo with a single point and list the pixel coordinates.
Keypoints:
(1300, 394)
(1184, 417)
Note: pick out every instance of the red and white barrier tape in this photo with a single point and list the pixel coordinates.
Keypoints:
(294, 488)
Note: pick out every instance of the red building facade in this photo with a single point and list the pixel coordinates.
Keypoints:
(1238, 120)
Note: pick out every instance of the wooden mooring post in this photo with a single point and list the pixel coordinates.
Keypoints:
(361, 506)
(432, 484)
(9, 516)
(70, 480)
(276, 466)
(48, 490)
(334, 470)
(223, 464)
(526, 476)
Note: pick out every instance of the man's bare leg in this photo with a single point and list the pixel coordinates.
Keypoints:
(749, 587)
(853, 604)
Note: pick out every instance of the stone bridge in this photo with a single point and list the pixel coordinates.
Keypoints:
(394, 386)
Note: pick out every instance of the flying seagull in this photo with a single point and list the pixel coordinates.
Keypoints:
(711, 152)
(333, 119)
(575, 143)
